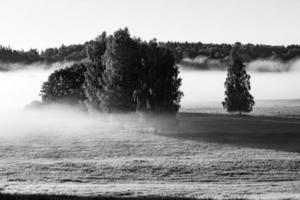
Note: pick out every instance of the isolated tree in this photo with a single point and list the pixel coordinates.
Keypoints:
(237, 84)
(65, 85)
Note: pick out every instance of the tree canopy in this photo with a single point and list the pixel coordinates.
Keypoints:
(65, 85)
(126, 64)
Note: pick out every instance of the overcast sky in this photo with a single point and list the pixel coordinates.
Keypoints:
(40, 24)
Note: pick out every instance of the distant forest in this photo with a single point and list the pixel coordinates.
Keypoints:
(184, 52)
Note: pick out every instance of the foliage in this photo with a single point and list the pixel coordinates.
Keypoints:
(237, 85)
(119, 78)
(248, 52)
(121, 65)
(64, 53)
(9, 55)
(94, 70)
(160, 74)
(181, 50)
(65, 85)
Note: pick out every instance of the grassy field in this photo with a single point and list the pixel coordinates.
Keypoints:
(250, 131)
(65, 197)
(217, 156)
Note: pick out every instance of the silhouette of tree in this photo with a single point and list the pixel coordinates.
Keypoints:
(237, 85)
(159, 75)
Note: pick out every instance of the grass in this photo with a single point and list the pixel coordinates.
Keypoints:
(67, 197)
(128, 163)
(245, 131)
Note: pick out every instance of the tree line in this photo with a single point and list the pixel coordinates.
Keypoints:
(124, 74)
(249, 52)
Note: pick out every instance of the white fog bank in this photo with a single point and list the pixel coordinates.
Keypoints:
(270, 80)
(203, 86)
(21, 87)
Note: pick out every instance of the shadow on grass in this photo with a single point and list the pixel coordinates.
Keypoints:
(246, 131)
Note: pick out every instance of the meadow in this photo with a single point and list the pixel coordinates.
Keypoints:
(205, 153)
(217, 156)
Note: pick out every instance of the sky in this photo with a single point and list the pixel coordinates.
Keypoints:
(26, 24)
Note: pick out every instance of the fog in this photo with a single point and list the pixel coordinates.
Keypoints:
(20, 90)
(203, 86)
(270, 80)
(273, 65)
(21, 87)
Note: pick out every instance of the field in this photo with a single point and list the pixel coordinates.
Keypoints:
(70, 197)
(202, 155)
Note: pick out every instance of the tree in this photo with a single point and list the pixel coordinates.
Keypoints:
(65, 85)
(94, 69)
(159, 74)
(119, 78)
(237, 84)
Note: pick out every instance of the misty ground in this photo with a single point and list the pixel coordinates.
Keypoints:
(217, 156)
(60, 150)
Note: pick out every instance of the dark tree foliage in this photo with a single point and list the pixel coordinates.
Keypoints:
(77, 52)
(13, 56)
(160, 74)
(237, 84)
(65, 85)
(121, 65)
(64, 53)
(248, 52)
(94, 69)
(120, 75)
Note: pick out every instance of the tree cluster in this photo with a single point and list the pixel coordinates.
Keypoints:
(63, 53)
(123, 70)
(248, 52)
(118, 66)
(121, 65)
(13, 56)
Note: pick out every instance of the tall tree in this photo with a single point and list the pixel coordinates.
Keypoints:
(237, 84)
(120, 75)
(160, 74)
